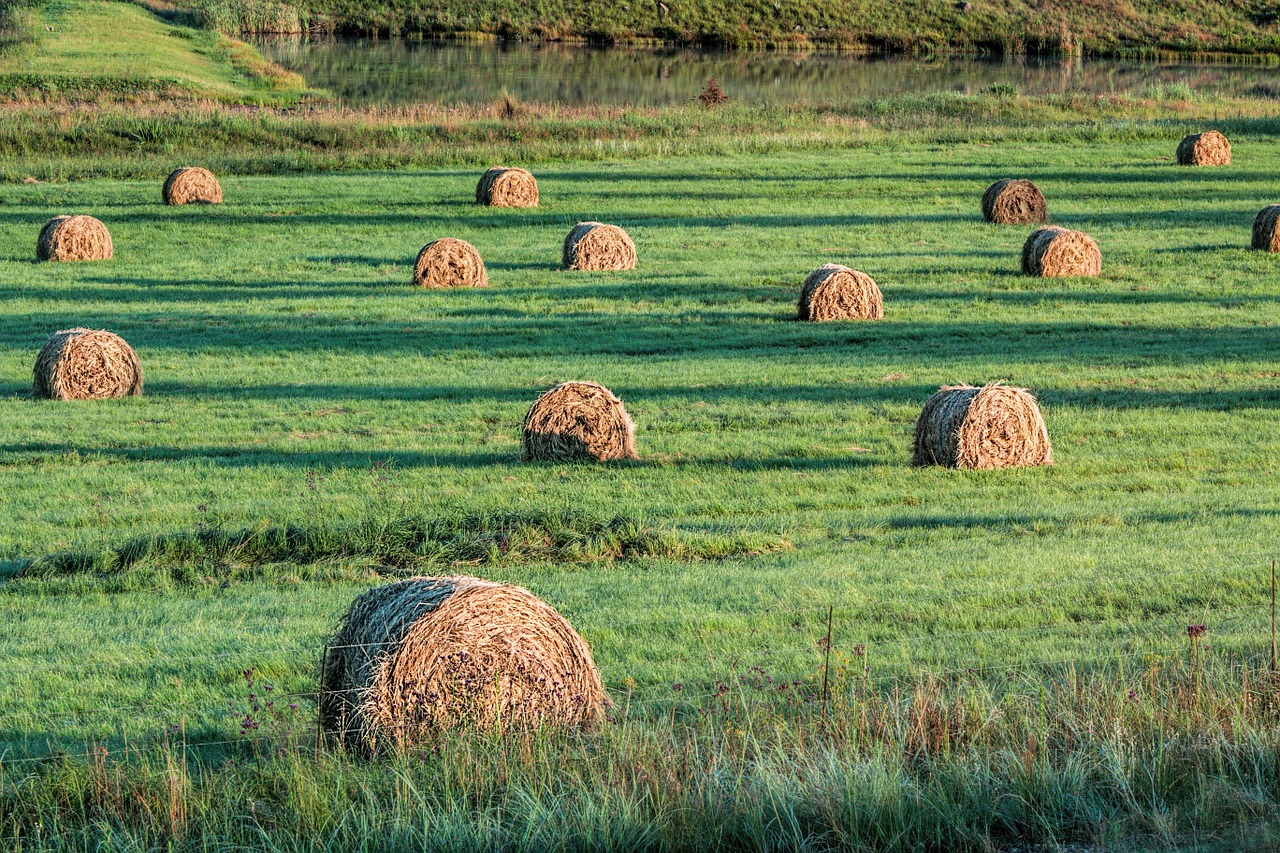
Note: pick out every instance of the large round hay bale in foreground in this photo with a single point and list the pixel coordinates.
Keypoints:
(449, 262)
(425, 654)
(596, 246)
(996, 426)
(1013, 201)
(1054, 252)
(192, 185)
(834, 292)
(578, 421)
(1204, 149)
(1266, 229)
(86, 364)
(74, 238)
(504, 187)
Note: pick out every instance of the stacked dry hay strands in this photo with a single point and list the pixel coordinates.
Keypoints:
(596, 246)
(503, 187)
(449, 262)
(1012, 201)
(995, 426)
(1054, 252)
(833, 292)
(86, 364)
(578, 421)
(1266, 229)
(192, 185)
(74, 238)
(426, 654)
(1204, 149)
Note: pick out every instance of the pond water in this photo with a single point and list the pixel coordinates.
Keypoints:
(395, 71)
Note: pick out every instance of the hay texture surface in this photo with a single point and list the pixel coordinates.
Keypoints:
(503, 187)
(596, 246)
(449, 262)
(425, 654)
(84, 364)
(1266, 229)
(1204, 149)
(833, 292)
(74, 238)
(1013, 202)
(578, 421)
(192, 185)
(1054, 252)
(995, 426)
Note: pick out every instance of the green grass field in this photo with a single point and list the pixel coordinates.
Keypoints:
(293, 375)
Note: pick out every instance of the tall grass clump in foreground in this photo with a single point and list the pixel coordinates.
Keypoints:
(1165, 753)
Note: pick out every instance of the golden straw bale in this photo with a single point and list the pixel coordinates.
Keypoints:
(1266, 229)
(426, 654)
(74, 238)
(596, 246)
(503, 187)
(1013, 202)
(86, 364)
(1204, 149)
(1054, 252)
(833, 292)
(578, 421)
(449, 262)
(996, 426)
(192, 185)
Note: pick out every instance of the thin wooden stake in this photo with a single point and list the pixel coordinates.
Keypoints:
(826, 663)
(1273, 617)
(324, 664)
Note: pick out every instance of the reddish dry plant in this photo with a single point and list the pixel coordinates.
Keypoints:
(712, 95)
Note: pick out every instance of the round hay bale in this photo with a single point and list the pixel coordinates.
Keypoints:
(1204, 149)
(74, 238)
(995, 426)
(192, 185)
(1266, 229)
(449, 262)
(578, 421)
(1011, 201)
(86, 364)
(833, 292)
(1054, 252)
(426, 654)
(504, 187)
(596, 246)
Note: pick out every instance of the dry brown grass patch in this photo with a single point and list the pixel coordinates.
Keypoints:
(1266, 229)
(192, 185)
(74, 238)
(578, 421)
(1011, 201)
(1054, 252)
(504, 187)
(1210, 148)
(86, 364)
(596, 246)
(427, 654)
(834, 292)
(996, 426)
(449, 262)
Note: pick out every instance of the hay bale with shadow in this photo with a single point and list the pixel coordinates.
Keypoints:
(74, 238)
(86, 364)
(1266, 229)
(835, 292)
(996, 426)
(1210, 148)
(426, 654)
(1013, 201)
(596, 246)
(1053, 252)
(449, 262)
(506, 187)
(192, 185)
(578, 421)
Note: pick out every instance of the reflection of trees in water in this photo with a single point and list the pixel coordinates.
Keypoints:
(398, 71)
